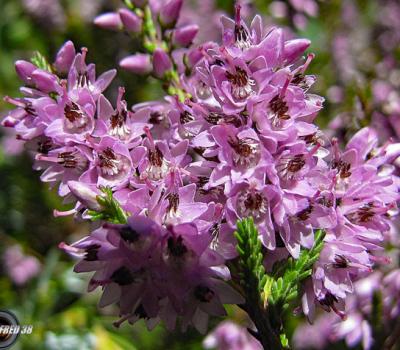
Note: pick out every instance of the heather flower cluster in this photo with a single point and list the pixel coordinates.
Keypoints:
(234, 139)
(375, 291)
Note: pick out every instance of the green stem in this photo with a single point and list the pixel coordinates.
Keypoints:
(171, 81)
(254, 280)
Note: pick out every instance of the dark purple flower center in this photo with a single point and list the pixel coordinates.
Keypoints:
(128, 234)
(29, 109)
(239, 78)
(177, 247)
(241, 83)
(329, 300)
(109, 163)
(122, 276)
(300, 80)
(158, 166)
(252, 203)
(156, 117)
(343, 168)
(44, 146)
(279, 108)
(186, 117)
(118, 124)
(304, 214)
(141, 312)
(215, 118)
(76, 120)
(311, 139)
(72, 112)
(289, 166)
(247, 151)
(341, 262)
(203, 294)
(156, 157)
(173, 202)
(91, 252)
(328, 304)
(363, 215)
(326, 202)
(296, 163)
(71, 160)
(242, 37)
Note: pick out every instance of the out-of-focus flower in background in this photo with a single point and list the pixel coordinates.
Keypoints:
(19, 266)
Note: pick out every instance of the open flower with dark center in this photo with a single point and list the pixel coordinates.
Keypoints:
(72, 118)
(241, 83)
(239, 153)
(112, 164)
(295, 163)
(247, 152)
(76, 121)
(83, 77)
(255, 199)
(177, 205)
(233, 83)
(62, 165)
(119, 122)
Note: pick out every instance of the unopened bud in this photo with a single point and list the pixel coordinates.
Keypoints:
(86, 194)
(138, 64)
(109, 20)
(169, 13)
(24, 70)
(65, 57)
(184, 36)
(294, 48)
(130, 21)
(161, 62)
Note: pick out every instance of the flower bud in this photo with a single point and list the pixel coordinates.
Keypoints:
(184, 36)
(24, 70)
(169, 13)
(294, 48)
(65, 57)
(138, 64)
(161, 62)
(130, 21)
(86, 194)
(45, 81)
(109, 20)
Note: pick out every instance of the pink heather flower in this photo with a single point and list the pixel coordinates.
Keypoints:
(152, 271)
(62, 165)
(110, 164)
(119, 122)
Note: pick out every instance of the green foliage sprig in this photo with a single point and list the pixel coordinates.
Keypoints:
(268, 295)
(41, 62)
(111, 209)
